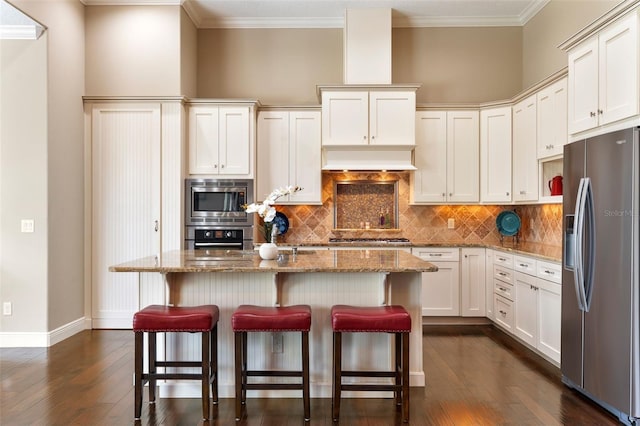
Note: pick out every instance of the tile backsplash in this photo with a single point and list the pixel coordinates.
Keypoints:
(541, 223)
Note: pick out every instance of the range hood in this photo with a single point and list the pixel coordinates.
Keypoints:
(367, 122)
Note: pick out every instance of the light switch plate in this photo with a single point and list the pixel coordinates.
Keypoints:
(26, 225)
(451, 223)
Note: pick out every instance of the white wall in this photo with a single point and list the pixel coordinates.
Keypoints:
(23, 183)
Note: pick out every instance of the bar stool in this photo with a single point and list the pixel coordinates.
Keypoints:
(378, 319)
(250, 318)
(160, 319)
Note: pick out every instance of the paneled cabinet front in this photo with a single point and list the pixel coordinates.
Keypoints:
(551, 128)
(447, 157)
(360, 117)
(220, 140)
(289, 153)
(495, 155)
(603, 76)
(441, 289)
(525, 160)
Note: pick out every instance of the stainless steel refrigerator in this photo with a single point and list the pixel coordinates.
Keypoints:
(600, 300)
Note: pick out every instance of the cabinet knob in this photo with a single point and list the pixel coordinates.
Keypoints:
(507, 194)
(156, 226)
(373, 137)
(451, 194)
(222, 166)
(365, 137)
(444, 195)
(600, 111)
(592, 114)
(523, 192)
(215, 166)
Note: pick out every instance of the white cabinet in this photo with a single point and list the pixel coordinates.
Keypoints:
(446, 157)
(361, 117)
(441, 289)
(289, 153)
(552, 119)
(526, 310)
(221, 140)
(525, 162)
(495, 155)
(603, 76)
(488, 280)
(503, 293)
(472, 282)
(136, 204)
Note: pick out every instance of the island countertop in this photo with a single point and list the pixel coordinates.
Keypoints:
(303, 261)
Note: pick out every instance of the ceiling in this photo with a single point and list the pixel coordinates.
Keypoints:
(330, 13)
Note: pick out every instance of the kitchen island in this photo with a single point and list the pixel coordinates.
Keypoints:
(319, 278)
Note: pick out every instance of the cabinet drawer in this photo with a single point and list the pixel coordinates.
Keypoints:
(503, 289)
(437, 254)
(550, 271)
(504, 259)
(525, 265)
(503, 274)
(503, 309)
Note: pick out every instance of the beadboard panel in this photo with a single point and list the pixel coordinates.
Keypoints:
(126, 204)
(321, 291)
(173, 129)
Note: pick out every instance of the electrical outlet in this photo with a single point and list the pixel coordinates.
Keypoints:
(451, 223)
(277, 343)
(26, 225)
(6, 308)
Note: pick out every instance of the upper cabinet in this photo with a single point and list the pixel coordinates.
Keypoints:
(446, 157)
(289, 154)
(495, 155)
(359, 117)
(603, 76)
(525, 162)
(221, 140)
(552, 119)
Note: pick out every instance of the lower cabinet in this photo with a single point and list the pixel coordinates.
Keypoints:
(472, 282)
(441, 289)
(526, 312)
(503, 312)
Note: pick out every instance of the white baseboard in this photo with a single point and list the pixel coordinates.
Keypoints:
(43, 339)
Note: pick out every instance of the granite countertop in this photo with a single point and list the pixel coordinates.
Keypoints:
(540, 251)
(304, 261)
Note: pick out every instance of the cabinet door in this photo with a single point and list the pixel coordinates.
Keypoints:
(203, 140)
(472, 282)
(345, 118)
(441, 290)
(583, 86)
(391, 118)
(549, 318)
(305, 157)
(618, 70)
(552, 119)
(526, 308)
(495, 155)
(273, 152)
(126, 145)
(234, 141)
(525, 162)
(463, 156)
(429, 181)
(488, 280)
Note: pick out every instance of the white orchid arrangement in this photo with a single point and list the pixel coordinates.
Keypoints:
(267, 212)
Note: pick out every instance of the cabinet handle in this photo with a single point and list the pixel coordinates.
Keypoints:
(502, 259)
(157, 226)
(215, 166)
(592, 114)
(502, 289)
(465, 256)
(523, 192)
(600, 111)
(435, 254)
(524, 265)
(507, 194)
(222, 166)
(551, 146)
(502, 274)
(549, 272)
(373, 137)
(503, 313)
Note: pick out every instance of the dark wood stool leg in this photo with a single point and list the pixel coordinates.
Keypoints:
(337, 374)
(398, 367)
(405, 377)
(137, 378)
(213, 342)
(205, 374)
(305, 376)
(245, 380)
(238, 367)
(152, 367)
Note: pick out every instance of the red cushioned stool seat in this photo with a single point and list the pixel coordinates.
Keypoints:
(372, 319)
(251, 318)
(189, 319)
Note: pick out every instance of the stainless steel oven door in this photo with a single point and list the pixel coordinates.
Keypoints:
(219, 238)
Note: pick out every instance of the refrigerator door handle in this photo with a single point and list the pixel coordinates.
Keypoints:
(590, 245)
(578, 270)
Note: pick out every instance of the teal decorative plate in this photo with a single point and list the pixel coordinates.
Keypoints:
(508, 223)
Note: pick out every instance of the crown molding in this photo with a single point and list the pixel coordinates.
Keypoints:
(282, 22)
(132, 2)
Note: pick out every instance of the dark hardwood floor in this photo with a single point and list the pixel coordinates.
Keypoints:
(475, 375)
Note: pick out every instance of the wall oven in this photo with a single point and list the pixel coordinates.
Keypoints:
(214, 214)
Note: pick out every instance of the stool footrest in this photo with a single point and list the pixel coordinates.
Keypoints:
(169, 376)
(178, 364)
(365, 387)
(269, 386)
(274, 373)
(369, 373)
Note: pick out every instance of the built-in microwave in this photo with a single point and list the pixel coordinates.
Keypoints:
(218, 202)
